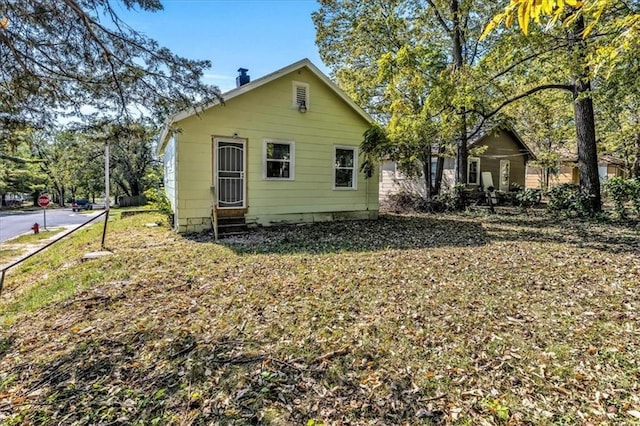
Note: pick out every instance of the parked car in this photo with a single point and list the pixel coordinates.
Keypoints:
(81, 204)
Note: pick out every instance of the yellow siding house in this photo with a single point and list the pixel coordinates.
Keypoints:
(283, 148)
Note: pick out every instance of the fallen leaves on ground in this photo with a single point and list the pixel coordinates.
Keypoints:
(498, 320)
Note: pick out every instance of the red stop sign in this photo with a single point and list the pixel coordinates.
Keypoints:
(43, 200)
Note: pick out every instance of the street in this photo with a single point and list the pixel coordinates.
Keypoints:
(14, 224)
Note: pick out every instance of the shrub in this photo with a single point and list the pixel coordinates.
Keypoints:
(160, 202)
(528, 198)
(404, 201)
(621, 191)
(444, 202)
(618, 189)
(454, 200)
(634, 194)
(459, 196)
(567, 198)
(515, 187)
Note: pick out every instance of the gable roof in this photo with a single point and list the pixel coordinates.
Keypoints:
(570, 155)
(238, 91)
(524, 149)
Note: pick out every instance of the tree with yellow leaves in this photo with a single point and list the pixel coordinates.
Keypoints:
(613, 25)
(626, 24)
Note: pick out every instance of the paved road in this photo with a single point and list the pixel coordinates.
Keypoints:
(14, 224)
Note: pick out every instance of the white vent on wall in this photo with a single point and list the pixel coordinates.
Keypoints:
(300, 94)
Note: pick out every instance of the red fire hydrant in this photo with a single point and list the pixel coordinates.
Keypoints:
(36, 228)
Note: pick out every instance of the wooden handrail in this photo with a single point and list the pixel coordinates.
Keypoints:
(214, 212)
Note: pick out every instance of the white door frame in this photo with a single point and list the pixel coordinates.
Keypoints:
(241, 174)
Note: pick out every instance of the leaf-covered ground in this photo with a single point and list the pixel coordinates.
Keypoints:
(434, 320)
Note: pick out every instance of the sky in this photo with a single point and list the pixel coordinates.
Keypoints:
(261, 35)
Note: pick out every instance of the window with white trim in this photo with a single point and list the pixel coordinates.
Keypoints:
(300, 94)
(278, 159)
(345, 170)
(473, 171)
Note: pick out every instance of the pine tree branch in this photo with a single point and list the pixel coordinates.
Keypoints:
(107, 54)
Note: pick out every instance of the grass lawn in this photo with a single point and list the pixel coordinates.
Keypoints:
(35, 238)
(9, 254)
(433, 320)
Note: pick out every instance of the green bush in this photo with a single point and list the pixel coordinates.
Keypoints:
(618, 189)
(568, 199)
(621, 191)
(634, 193)
(451, 201)
(528, 198)
(160, 202)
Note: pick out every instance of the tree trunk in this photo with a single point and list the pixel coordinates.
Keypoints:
(545, 178)
(585, 120)
(458, 63)
(587, 150)
(135, 187)
(437, 186)
(462, 152)
(56, 192)
(123, 186)
(426, 171)
(62, 192)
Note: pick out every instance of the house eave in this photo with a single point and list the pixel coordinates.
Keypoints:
(163, 138)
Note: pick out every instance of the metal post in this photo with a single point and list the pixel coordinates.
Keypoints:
(106, 189)
(44, 213)
(106, 174)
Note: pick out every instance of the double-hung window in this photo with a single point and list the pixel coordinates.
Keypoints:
(278, 159)
(345, 172)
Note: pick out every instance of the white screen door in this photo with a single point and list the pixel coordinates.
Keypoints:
(505, 175)
(230, 173)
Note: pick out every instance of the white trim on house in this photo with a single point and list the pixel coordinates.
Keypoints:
(170, 163)
(167, 128)
(291, 160)
(239, 169)
(354, 172)
(469, 161)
